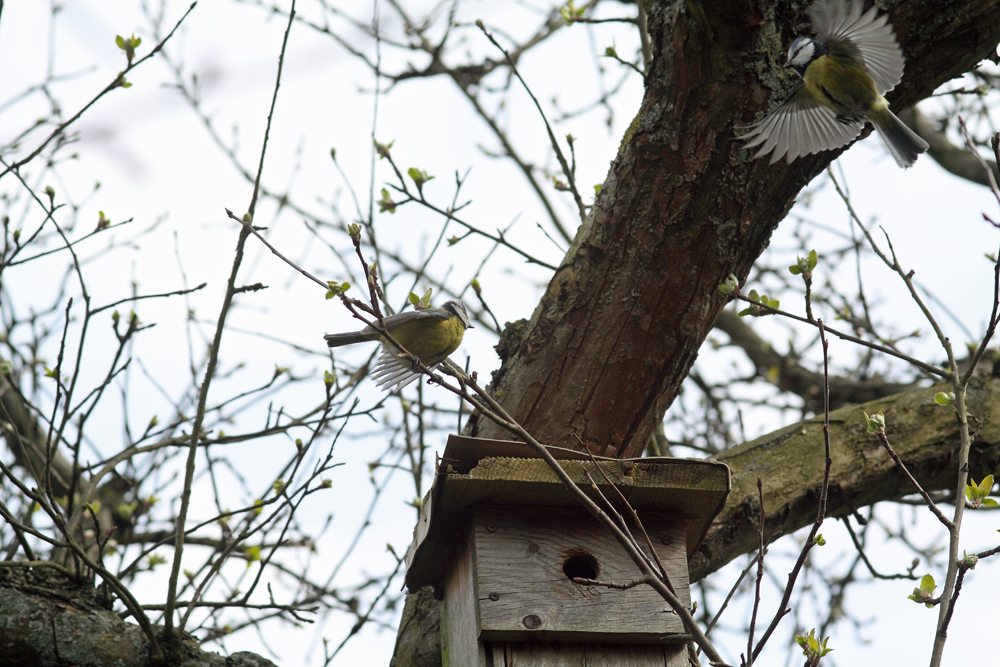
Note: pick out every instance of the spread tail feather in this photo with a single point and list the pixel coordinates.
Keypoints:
(903, 143)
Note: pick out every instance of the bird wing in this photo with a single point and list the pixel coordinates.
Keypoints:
(799, 126)
(845, 27)
(392, 369)
(391, 322)
(395, 321)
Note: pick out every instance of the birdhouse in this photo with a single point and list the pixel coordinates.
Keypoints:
(502, 541)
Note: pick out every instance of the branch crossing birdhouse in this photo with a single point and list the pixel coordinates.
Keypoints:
(502, 541)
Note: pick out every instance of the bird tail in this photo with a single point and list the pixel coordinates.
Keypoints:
(903, 143)
(336, 340)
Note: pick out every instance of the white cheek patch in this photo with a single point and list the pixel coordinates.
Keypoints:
(804, 53)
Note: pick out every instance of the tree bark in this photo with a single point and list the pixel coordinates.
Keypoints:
(48, 620)
(683, 206)
(790, 464)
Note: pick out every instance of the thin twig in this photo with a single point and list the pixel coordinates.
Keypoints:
(783, 608)
(570, 176)
(213, 358)
(760, 573)
(111, 86)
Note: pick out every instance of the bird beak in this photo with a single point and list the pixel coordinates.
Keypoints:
(788, 65)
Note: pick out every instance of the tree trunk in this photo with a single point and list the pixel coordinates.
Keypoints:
(683, 206)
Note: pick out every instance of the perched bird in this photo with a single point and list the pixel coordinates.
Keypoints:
(430, 334)
(845, 72)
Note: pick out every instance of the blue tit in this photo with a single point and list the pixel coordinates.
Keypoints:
(845, 72)
(430, 334)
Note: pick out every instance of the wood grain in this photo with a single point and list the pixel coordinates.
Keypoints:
(523, 591)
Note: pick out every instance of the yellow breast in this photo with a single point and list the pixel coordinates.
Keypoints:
(842, 84)
(431, 339)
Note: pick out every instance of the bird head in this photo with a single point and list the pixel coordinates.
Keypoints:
(457, 309)
(803, 51)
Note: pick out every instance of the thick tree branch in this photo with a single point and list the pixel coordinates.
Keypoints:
(958, 160)
(797, 380)
(47, 619)
(924, 435)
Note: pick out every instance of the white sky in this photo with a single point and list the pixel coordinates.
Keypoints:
(154, 158)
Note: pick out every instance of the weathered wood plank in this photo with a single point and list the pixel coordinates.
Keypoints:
(517, 654)
(459, 626)
(525, 592)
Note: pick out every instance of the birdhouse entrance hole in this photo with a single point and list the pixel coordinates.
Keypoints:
(582, 565)
(503, 541)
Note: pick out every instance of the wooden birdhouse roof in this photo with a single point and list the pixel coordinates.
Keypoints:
(479, 472)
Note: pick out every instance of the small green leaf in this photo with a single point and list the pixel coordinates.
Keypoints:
(386, 203)
(943, 398)
(335, 289)
(759, 304)
(569, 13)
(876, 422)
(419, 177)
(814, 648)
(383, 150)
(924, 594)
(804, 265)
(126, 510)
(252, 555)
(731, 285)
(128, 45)
(976, 494)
